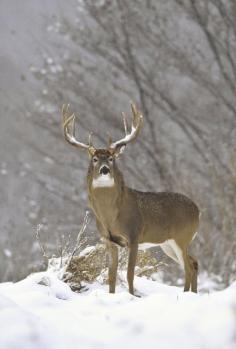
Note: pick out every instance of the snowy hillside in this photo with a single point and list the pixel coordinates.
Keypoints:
(33, 315)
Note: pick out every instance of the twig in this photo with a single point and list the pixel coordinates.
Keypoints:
(78, 240)
(41, 245)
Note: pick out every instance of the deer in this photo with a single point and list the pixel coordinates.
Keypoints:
(126, 217)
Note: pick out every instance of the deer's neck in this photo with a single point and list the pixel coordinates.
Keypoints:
(105, 201)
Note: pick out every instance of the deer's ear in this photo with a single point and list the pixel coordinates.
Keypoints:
(119, 150)
(91, 151)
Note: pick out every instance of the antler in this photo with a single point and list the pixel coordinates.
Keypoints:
(68, 125)
(135, 128)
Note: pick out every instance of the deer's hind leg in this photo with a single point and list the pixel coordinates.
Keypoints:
(191, 270)
(188, 270)
(179, 254)
(194, 264)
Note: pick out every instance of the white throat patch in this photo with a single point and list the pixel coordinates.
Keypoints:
(103, 181)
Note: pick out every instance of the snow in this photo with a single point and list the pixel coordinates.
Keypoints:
(42, 312)
(7, 253)
(86, 251)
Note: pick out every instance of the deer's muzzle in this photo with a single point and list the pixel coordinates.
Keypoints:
(104, 170)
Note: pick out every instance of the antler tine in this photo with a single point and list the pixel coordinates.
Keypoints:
(135, 128)
(90, 139)
(68, 126)
(73, 125)
(125, 123)
(69, 123)
(109, 139)
(64, 112)
(136, 114)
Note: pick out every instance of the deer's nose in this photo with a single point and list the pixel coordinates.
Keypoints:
(104, 170)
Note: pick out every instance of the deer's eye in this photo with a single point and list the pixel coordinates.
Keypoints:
(95, 160)
(110, 159)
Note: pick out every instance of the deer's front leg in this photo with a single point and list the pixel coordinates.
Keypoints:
(131, 265)
(112, 265)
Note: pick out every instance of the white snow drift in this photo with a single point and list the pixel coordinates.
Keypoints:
(36, 316)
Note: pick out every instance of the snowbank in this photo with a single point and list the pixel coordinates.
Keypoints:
(42, 312)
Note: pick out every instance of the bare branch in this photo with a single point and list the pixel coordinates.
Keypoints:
(79, 236)
(41, 245)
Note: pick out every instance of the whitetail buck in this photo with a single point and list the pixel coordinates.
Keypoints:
(128, 217)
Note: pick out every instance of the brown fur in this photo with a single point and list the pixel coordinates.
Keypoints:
(127, 217)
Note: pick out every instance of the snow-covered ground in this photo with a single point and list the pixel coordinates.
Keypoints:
(33, 315)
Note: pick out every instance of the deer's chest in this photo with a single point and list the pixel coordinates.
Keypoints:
(107, 212)
(105, 209)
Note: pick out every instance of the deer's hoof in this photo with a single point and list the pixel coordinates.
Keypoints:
(136, 294)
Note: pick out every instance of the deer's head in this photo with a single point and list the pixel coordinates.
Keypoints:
(102, 161)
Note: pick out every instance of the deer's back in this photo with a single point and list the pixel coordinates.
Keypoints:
(166, 214)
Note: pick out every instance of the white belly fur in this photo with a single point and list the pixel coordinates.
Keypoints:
(170, 248)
